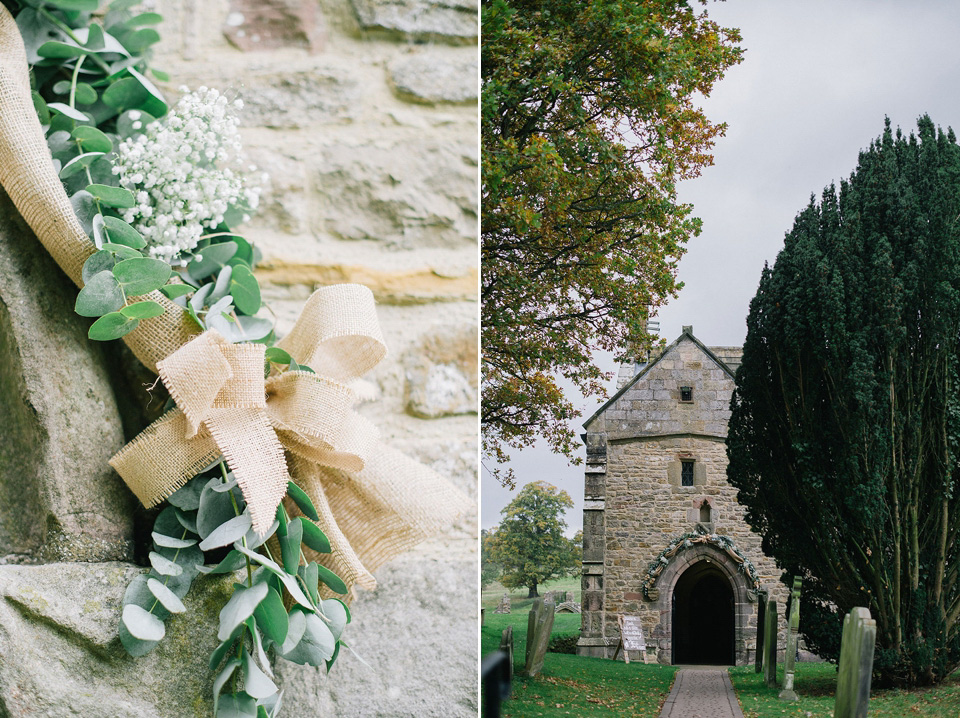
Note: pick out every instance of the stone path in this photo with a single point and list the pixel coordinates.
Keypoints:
(702, 692)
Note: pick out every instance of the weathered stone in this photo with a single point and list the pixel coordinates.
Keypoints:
(568, 607)
(770, 645)
(539, 628)
(417, 632)
(299, 99)
(283, 203)
(269, 24)
(789, 659)
(446, 20)
(423, 196)
(504, 605)
(59, 500)
(430, 79)
(62, 656)
(856, 664)
(441, 373)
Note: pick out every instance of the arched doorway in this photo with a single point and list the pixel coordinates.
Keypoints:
(703, 616)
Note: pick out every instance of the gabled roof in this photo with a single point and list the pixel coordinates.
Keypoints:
(688, 333)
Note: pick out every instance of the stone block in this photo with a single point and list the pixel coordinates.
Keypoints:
(59, 499)
(420, 193)
(300, 99)
(271, 24)
(434, 78)
(441, 373)
(453, 21)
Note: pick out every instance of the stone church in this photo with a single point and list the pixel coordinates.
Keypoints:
(663, 535)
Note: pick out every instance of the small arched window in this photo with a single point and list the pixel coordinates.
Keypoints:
(705, 512)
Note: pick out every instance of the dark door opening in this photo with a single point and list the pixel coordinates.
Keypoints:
(703, 617)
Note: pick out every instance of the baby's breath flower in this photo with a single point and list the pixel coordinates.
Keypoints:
(181, 170)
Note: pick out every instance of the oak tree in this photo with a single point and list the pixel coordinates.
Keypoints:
(529, 544)
(588, 122)
(845, 427)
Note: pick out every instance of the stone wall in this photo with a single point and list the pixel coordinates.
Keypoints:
(364, 114)
(635, 504)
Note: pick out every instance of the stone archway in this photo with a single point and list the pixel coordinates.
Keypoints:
(703, 617)
(705, 562)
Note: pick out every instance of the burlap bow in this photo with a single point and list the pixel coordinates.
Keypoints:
(373, 502)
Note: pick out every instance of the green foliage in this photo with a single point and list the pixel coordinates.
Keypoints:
(846, 417)
(529, 543)
(490, 570)
(588, 121)
(254, 621)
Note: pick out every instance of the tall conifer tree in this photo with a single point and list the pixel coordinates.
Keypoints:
(845, 421)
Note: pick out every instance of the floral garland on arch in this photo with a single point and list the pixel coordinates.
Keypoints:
(688, 540)
(266, 470)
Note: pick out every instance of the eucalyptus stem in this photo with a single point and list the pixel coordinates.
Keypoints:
(236, 510)
(166, 579)
(73, 80)
(68, 31)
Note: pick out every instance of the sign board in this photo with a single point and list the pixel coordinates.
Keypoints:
(631, 637)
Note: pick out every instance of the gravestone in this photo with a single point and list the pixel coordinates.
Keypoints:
(539, 627)
(568, 607)
(770, 645)
(761, 620)
(789, 659)
(856, 664)
(506, 645)
(504, 605)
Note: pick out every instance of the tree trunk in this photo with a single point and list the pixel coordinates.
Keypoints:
(533, 591)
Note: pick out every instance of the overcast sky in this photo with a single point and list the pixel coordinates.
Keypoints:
(813, 89)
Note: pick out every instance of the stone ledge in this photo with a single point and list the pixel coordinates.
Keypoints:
(419, 286)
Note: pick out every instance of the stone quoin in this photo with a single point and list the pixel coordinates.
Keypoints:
(664, 537)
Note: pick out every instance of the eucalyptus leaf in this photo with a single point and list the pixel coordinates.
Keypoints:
(259, 654)
(119, 232)
(233, 562)
(56, 50)
(221, 680)
(85, 208)
(332, 580)
(164, 566)
(228, 532)
(142, 275)
(146, 18)
(297, 621)
(212, 258)
(97, 262)
(290, 546)
(78, 163)
(125, 122)
(277, 355)
(314, 537)
(85, 95)
(139, 40)
(81, 5)
(289, 582)
(142, 624)
(222, 487)
(222, 285)
(134, 646)
(224, 648)
(68, 111)
(237, 705)
(40, 106)
(170, 542)
(111, 326)
(101, 295)
(336, 614)
(189, 559)
(138, 594)
(142, 310)
(245, 290)
(215, 508)
(172, 291)
(94, 38)
(302, 501)
(121, 251)
(199, 298)
(316, 646)
(35, 30)
(187, 519)
(272, 617)
(125, 94)
(98, 231)
(165, 596)
(255, 540)
(112, 196)
(240, 607)
(255, 682)
(250, 329)
(310, 575)
(187, 497)
(154, 104)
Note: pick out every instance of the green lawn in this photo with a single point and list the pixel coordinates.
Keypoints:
(815, 683)
(490, 595)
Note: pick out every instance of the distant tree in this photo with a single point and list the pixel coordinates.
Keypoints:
(489, 569)
(844, 437)
(588, 121)
(529, 543)
(576, 553)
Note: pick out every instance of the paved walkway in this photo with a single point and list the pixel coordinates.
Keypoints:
(702, 692)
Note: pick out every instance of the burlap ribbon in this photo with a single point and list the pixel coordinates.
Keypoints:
(373, 502)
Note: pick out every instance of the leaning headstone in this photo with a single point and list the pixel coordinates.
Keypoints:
(793, 627)
(761, 618)
(770, 645)
(568, 607)
(539, 627)
(504, 605)
(506, 645)
(856, 664)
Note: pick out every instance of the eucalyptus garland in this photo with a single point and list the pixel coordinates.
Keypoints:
(149, 186)
(687, 540)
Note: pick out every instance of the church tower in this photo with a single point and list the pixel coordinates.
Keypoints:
(663, 535)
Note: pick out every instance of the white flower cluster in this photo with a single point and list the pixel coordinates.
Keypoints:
(184, 172)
